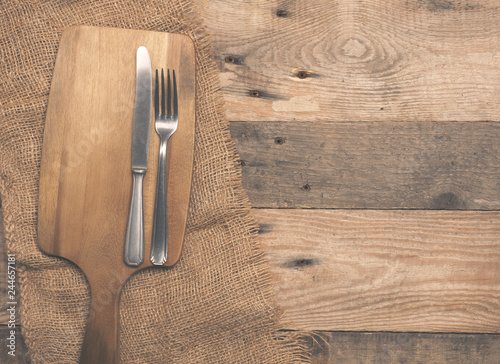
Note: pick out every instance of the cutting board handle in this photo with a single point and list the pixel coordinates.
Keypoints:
(100, 343)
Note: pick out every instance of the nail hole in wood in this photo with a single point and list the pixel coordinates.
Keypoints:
(306, 187)
(279, 140)
(229, 59)
(282, 13)
(254, 93)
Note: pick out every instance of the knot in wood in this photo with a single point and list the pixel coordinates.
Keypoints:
(302, 74)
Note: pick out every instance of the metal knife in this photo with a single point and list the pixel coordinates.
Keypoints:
(134, 239)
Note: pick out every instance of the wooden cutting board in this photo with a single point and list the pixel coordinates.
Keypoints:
(86, 179)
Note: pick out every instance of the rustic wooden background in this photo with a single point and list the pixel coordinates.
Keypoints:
(369, 137)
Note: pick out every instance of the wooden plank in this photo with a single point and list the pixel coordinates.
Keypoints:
(389, 347)
(377, 165)
(364, 270)
(372, 347)
(357, 60)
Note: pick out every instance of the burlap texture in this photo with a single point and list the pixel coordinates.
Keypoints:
(216, 305)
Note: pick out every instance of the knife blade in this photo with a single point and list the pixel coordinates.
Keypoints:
(134, 238)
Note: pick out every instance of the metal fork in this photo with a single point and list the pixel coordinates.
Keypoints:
(165, 125)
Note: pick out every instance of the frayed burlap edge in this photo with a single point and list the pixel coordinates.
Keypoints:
(297, 341)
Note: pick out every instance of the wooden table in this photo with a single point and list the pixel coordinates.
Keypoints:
(369, 139)
(369, 136)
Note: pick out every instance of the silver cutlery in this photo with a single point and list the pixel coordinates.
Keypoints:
(166, 121)
(134, 239)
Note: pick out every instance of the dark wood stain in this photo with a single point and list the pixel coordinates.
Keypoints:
(265, 228)
(300, 263)
(448, 201)
(447, 5)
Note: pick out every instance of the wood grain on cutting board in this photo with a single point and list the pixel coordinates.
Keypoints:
(86, 179)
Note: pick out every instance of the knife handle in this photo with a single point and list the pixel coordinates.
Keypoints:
(159, 238)
(134, 239)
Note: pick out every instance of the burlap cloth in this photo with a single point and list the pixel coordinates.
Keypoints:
(216, 305)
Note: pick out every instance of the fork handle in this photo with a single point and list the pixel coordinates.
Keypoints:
(159, 239)
(134, 238)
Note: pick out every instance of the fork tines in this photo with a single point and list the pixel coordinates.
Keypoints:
(170, 97)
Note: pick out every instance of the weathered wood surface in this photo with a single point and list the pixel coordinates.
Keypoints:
(384, 270)
(360, 347)
(357, 60)
(350, 347)
(382, 348)
(364, 270)
(377, 165)
(361, 61)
